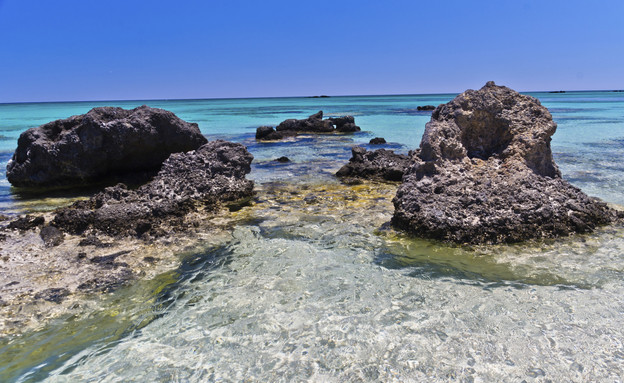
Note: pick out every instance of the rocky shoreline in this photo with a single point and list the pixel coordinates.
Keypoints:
(483, 174)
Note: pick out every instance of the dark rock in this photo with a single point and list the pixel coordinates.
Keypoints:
(485, 174)
(51, 236)
(268, 133)
(316, 124)
(425, 107)
(345, 124)
(377, 141)
(110, 260)
(92, 240)
(27, 222)
(283, 159)
(55, 295)
(380, 165)
(207, 177)
(105, 142)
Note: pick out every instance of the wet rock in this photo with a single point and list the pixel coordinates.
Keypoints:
(377, 141)
(55, 295)
(27, 222)
(313, 124)
(426, 107)
(268, 133)
(51, 236)
(92, 240)
(205, 178)
(283, 159)
(485, 174)
(345, 124)
(105, 142)
(381, 165)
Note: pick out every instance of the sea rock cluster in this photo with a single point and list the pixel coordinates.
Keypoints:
(105, 142)
(379, 165)
(202, 179)
(313, 124)
(485, 174)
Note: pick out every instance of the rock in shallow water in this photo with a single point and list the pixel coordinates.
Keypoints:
(485, 174)
(313, 124)
(203, 178)
(380, 165)
(105, 142)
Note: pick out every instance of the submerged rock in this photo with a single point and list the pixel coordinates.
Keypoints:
(105, 142)
(485, 174)
(380, 165)
(313, 124)
(51, 236)
(426, 107)
(204, 178)
(377, 141)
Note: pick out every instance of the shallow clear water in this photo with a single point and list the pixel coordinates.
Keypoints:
(315, 287)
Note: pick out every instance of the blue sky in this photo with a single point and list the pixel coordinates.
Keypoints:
(111, 50)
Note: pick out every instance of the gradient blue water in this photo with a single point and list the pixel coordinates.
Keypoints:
(315, 291)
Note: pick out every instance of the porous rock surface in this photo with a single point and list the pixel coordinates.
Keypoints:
(104, 142)
(379, 165)
(313, 124)
(199, 179)
(485, 174)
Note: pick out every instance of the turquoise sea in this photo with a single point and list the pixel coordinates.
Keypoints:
(313, 286)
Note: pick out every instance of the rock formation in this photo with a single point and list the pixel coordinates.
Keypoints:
(200, 179)
(380, 165)
(377, 141)
(425, 107)
(485, 174)
(104, 142)
(313, 124)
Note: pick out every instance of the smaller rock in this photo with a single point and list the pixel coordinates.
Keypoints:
(92, 240)
(377, 141)
(283, 159)
(27, 222)
(345, 124)
(268, 133)
(426, 107)
(55, 295)
(51, 236)
(380, 165)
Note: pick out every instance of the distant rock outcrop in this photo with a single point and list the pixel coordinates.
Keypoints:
(485, 174)
(377, 141)
(204, 178)
(105, 142)
(380, 165)
(425, 107)
(313, 124)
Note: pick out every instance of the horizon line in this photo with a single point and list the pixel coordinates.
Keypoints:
(275, 97)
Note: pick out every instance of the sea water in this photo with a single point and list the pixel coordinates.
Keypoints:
(314, 286)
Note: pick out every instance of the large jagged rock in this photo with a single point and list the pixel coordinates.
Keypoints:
(313, 124)
(200, 179)
(379, 165)
(485, 174)
(105, 142)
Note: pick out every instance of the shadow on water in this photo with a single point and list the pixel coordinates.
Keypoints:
(432, 260)
(33, 357)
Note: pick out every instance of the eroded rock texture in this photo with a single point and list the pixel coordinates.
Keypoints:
(105, 142)
(200, 179)
(485, 174)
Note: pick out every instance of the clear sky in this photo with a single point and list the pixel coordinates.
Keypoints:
(127, 49)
